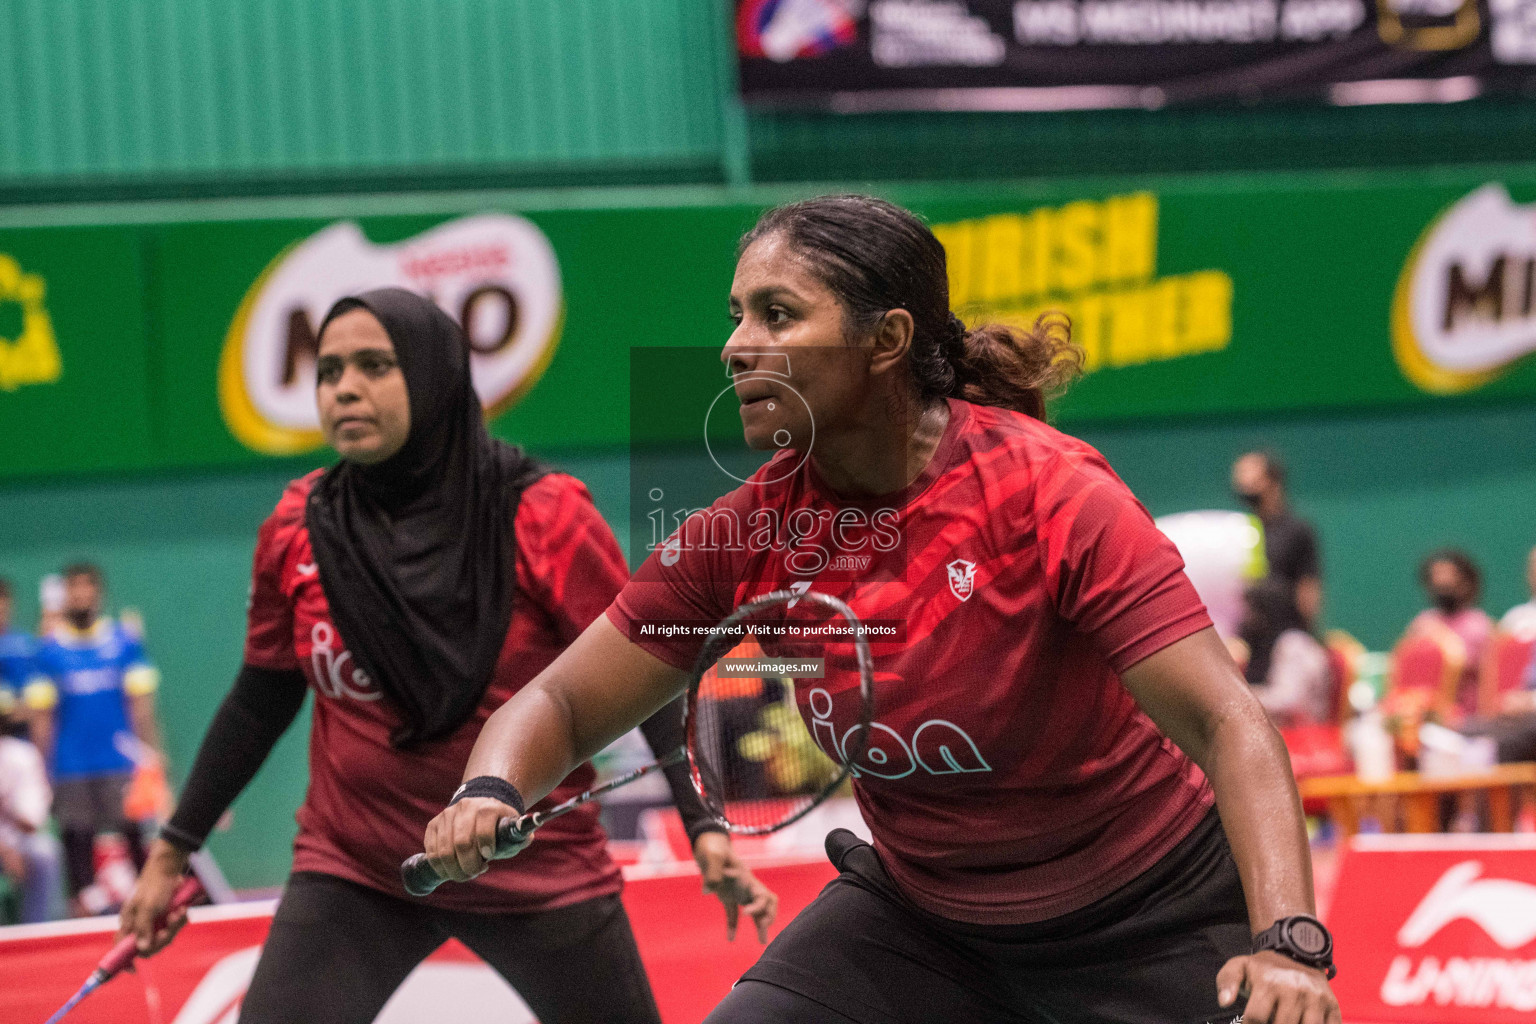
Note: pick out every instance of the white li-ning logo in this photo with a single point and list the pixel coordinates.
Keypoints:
(1502, 907)
(938, 746)
(962, 578)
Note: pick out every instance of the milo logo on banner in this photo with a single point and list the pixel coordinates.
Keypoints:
(1096, 261)
(1465, 306)
(495, 273)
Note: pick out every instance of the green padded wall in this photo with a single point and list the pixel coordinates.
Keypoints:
(209, 95)
(789, 147)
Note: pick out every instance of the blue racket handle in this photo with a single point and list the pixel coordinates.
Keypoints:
(420, 878)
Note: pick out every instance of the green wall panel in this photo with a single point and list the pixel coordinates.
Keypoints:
(789, 146)
(182, 89)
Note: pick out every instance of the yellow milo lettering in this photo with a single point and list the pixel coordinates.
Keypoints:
(956, 240)
(1076, 256)
(1087, 316)
(1130, 237)
(1208, 311)
(1007, 256)
(1095, 261)
(32, 357)
(1130, 335)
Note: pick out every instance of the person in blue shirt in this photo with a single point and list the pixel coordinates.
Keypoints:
(93, 718)
(29, 854)
(18, 651)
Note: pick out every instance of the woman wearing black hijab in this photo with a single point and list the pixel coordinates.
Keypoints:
(416, 585)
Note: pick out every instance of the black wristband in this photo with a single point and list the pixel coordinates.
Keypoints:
(183, 841)
(492, 786)
(698, 828)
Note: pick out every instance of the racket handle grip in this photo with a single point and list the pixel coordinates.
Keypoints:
(420, 878)
(127, 948)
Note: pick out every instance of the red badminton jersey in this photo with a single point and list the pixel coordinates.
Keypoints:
(1010, 777)
(368, 802)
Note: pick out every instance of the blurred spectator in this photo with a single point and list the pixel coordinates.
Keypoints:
(29, 854)
(18, 651)
(1453, 583)
(99, 681)
(1290, 545)
(1514, 728)
(50, 611)
(1520, 621)
(1297, 688)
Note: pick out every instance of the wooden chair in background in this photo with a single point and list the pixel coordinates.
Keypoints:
(1502, 671)
(1319, 749)
(1344, 653)
(1426, 667)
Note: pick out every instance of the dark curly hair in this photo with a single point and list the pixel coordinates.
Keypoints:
(876, 257)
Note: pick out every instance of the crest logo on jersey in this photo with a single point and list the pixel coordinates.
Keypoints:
(962, 578)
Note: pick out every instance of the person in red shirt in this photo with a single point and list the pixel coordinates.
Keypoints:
(1453, 583)
(415, 587)
(1052, 736)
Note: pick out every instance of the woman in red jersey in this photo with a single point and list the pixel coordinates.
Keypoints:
(1113, 832)
(416, 586)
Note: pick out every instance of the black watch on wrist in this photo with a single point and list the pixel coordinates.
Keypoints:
(1303, 939)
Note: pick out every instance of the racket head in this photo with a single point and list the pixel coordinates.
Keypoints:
(752, 759)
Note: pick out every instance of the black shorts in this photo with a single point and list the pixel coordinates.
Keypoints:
(338, 950)
(1148, 953)
(91, 803)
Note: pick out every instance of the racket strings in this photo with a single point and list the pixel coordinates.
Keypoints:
(759, 764)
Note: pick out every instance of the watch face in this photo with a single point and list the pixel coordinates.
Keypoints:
(1308, 937)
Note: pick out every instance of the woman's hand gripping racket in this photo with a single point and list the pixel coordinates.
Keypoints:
(512, 834)
(753, 760)
(126, 949)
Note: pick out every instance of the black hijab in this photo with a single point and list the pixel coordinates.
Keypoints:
(417, 553)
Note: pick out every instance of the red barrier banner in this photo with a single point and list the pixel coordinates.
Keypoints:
(202, 976)
(1438, 929)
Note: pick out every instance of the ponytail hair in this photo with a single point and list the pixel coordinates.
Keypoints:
(1016, 369)
(876, 257)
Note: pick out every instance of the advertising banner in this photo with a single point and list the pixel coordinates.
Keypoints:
(861, 55)
(74, 352)
(181, 345)
(201, 978)
(552, 302)
(1436, 929)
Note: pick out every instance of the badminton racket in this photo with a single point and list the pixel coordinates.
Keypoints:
(764, 670)
(122, 955)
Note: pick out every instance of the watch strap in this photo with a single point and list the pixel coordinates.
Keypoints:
(1277, 937)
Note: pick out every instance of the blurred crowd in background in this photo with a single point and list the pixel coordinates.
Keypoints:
(1457, 681)
(81, 770)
